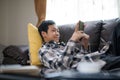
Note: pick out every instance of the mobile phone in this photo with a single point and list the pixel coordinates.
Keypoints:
(81, 25)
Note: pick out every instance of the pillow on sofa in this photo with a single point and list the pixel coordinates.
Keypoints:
(35, 42)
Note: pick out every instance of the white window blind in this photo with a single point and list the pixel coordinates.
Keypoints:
(70, 11)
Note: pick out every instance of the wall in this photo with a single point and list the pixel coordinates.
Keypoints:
(15, 16)
(3, 21)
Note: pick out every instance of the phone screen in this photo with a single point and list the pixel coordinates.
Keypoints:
(81, 25)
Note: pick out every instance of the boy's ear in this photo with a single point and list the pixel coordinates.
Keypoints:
(43, 34)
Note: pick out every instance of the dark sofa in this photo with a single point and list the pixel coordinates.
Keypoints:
(100, 32)
(16, 54)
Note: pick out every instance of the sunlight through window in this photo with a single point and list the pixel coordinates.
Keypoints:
(70, 11)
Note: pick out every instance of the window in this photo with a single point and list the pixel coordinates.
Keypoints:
(70, 11)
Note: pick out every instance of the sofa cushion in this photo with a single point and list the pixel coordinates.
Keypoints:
(116, 40)
(93, 29)
(107, 30)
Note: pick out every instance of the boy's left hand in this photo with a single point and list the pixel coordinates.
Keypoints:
(85, 40)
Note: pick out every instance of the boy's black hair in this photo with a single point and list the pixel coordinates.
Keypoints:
(44, 26)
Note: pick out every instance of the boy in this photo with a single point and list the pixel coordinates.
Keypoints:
(55, 56)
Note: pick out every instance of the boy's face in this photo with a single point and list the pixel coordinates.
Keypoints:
(52, 34)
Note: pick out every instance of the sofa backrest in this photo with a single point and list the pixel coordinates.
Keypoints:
(92, 28)
(96, 29)
(107, 30)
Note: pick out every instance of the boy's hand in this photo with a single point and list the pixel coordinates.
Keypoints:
(77, 35)
(85, 40)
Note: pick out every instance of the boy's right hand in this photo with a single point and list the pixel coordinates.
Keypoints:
(77, 35)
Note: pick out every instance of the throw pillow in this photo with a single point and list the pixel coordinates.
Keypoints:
(35, 42)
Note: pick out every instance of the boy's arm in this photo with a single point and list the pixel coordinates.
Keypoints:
(50, 58)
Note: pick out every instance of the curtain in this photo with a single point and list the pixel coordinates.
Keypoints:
(70, 11)
(40, 8)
